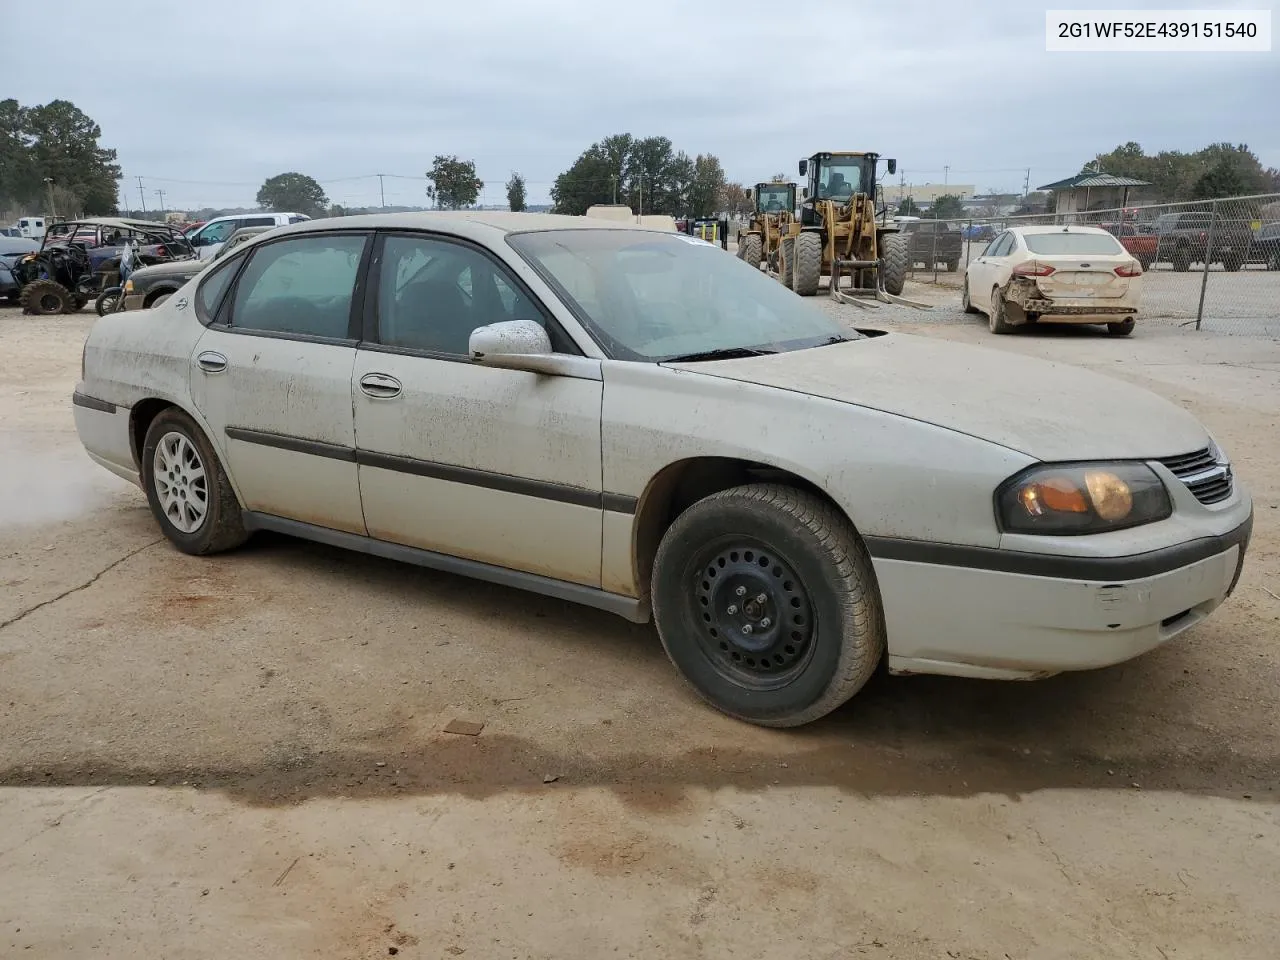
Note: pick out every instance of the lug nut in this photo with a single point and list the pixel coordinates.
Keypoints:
(766, 623)
(746, 628)
(741, 591)
(733, 608)
(761, 598)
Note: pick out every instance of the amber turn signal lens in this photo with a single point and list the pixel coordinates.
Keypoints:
(1111, 496)
(1053, 494)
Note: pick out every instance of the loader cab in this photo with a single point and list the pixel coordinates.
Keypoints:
(775, 198)
(838, 177)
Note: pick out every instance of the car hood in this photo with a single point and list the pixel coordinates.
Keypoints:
(1047, 410)
(174, 268)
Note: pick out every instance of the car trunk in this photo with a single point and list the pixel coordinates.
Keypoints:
(1083, 277)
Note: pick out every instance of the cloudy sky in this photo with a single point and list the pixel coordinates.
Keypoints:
(239, 91)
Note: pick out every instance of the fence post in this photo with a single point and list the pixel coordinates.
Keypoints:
(1208, 256)
(968, 240)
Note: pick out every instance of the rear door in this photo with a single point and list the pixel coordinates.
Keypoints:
(272, 375)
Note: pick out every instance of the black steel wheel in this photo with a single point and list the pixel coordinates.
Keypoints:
(765, 601)
(758, 617)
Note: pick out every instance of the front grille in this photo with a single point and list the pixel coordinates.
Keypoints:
(1208, 479)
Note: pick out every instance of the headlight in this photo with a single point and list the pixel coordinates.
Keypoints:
(1081, 498)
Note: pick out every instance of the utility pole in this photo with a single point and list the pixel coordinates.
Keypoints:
(162, 206)
(614, 178)
(1026, 184)
(381, 189)
(48, 183)
(142, 195)
(902, 189)
(945, 173)
(641, 213)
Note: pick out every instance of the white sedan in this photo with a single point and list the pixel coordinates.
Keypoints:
(629, 419)
(1067, 274)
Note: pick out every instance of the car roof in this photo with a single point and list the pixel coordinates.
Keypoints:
(465, 223)
(118, 222)
(1060, 228)
(255, 213)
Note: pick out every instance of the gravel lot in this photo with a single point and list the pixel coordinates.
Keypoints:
(244, 756)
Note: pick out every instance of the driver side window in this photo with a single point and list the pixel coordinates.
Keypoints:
(433, 293)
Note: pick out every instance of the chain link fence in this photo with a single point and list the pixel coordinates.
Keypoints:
(1210, 264)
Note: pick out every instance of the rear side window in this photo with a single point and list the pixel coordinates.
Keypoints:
(302, 286)
(1073, 244)
(212, 289)
(258, 222)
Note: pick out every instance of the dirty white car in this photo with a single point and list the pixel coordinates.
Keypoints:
(630, 419)
(1065, 274)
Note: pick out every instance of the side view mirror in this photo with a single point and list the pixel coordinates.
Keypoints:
(891, 166)
(524, 345)
(804, 167)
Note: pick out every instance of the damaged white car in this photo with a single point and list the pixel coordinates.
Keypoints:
(629, 419)
(1065, 274)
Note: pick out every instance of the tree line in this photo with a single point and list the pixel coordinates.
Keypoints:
(1212, 172)
(50, 153)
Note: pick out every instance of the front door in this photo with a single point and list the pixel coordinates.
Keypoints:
(272, 377)
(499, 466)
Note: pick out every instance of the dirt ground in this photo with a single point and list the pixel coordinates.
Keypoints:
(245, 756)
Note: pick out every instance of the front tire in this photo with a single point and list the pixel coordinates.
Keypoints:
(1121, 329)
(896, 260)
(965, 300)
(44, 298)
(750, 249)
(808, 269)
(786, 261)
(187, 489)
(805, 648)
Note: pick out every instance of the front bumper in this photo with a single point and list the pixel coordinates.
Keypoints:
(1006, 624)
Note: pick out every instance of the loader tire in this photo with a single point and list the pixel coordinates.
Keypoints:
(896, 259)
(786, 261)
(750, 249)
(808, 250)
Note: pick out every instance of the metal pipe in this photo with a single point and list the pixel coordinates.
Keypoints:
(1208, 256)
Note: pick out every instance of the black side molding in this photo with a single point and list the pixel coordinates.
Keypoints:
(1105, 569)
(92, 403)
(542, 489)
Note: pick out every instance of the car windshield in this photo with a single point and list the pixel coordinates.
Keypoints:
(840, 179)
(774, 199)
(654, 296)
(1072, 244)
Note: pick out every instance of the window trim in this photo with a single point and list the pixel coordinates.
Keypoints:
(369, 335)
(233, 263)
(224, 320)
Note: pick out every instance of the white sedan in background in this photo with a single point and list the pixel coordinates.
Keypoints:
(1066, 274)
(628, 418)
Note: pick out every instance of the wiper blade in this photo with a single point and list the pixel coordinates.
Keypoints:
(725, 353)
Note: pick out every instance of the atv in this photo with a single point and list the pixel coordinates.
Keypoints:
(79, 259)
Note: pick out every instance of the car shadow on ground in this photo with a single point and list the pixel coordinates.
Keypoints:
(1125, 728)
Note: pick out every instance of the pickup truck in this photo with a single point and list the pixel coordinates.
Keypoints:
(1138, 238)
(933, 241)
(1183, 239)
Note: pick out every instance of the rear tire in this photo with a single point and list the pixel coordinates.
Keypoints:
(817, 636)
(896, 256)
(1233, 264)
(1122, 329)
(1181, 260)
(998, 322)
(187, 489)
(808, 270)
(44, 298)
(786, 261)
(106, 302)
(965, 301)
(953, 266)
(750, 249)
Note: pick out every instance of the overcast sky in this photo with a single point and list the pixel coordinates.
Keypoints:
(238, 91)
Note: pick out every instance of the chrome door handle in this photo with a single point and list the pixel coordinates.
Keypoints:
(379, 386)
(211, 362)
